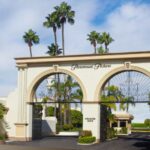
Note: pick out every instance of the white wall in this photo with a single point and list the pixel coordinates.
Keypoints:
(11, 117)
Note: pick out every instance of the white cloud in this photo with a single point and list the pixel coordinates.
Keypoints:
(129, 26)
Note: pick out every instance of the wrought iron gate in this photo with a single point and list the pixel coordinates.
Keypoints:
(37, 122)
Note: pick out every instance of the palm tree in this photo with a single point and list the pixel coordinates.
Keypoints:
(31, 38)
(129, 101)
(53, 50)
(52, 21)
(65, 14)
(68, 92)
(93, 37)
(109, 100)
(106, 39)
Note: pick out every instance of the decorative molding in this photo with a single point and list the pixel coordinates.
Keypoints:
(22, 66)
(127, 65)
(55, 68)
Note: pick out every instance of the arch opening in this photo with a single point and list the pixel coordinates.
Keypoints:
(125, 100)
(57, 103)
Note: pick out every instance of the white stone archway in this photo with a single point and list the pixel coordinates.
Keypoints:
(90, 71)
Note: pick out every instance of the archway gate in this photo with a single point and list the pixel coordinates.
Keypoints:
(90, 71)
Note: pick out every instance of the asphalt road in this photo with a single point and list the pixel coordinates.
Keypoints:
(138, 141)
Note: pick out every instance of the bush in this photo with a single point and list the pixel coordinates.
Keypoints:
(50, 111)
(85, 133)
(147, 122)
(86, 139)
(2, 137)
(76, 118)
(124, 130)
(67, 127)
(111, 133)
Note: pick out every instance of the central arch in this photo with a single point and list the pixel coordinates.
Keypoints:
(114, 72)
(43, 75)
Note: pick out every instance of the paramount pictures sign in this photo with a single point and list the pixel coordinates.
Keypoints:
(92, 66)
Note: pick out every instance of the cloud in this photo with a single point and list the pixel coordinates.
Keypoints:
(129, 26)
(128, 23)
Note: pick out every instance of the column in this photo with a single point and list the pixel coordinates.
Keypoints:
(29, 120)
(21, 125)
(91, 119)
(118, 123)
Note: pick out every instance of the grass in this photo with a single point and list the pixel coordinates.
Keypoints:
(138, 125)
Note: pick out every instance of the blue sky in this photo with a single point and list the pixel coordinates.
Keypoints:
(127, 21)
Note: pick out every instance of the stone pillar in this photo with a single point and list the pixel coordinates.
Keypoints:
(29, 121)
(91, 119)
(118, 123)
(21, 125)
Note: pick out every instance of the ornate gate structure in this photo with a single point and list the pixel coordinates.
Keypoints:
(90, 71)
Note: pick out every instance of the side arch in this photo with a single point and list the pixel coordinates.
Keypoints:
(43, 75)
(113, 73)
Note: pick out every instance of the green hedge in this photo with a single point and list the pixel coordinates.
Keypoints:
(86, 139)
(138, 125)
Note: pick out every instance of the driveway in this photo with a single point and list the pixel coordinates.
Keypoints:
(136, 141)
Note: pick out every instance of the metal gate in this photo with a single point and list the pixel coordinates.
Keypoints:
(37, 122)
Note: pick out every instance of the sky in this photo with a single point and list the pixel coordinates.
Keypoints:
(127, 21)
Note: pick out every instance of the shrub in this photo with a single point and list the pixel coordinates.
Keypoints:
(86, 139)
(111, 133)
(67, 127)
(76, 118)
(85, 133)
(124, 130)
(50, 111)
(2, 137)
(147, 122)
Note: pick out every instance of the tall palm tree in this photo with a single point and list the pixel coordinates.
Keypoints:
(106, 39)
(52, 21)
(31, 38)
(65, 14)
(93, 37)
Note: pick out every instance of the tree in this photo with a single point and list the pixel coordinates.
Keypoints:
(76, 118)
(3, 124)
(53, 50)
(113, 95)
(129, 101)
(106, 39)
(65, 14)
(67, 93)
(31, 38)
(52, 21)
(101, 50)
(147, 122)
(93, 37)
